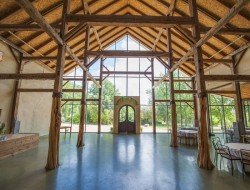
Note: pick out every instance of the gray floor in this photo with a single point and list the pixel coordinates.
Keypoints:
(115, 162)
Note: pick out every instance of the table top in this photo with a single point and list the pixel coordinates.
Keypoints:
(238, 146)
(188, 131)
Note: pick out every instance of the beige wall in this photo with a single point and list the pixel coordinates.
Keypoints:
(244, 65)
(243, 68)
(34, 108)
(220, 69)
(6, 86)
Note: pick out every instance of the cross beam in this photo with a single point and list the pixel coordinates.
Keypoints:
(120, 53)
(233, 11)
(108, 53)
(30, 76)
(38, 18)
(240, 78)
(131, 20)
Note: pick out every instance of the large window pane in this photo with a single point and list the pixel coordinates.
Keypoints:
(133, 86)
(133, 64)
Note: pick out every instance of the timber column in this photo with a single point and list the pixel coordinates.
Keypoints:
(153, 97)
(196, 122)
(16, 96)
(238, 102)
(203, 159)
(80, 140)
(55, 121)
(174, 141)
(100, 98)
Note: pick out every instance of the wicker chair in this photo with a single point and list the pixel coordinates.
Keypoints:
(190, 137)
(181, 136)
(225, 153)
(245, 159)
(216, 148)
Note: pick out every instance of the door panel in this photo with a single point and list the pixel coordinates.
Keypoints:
(126, 120)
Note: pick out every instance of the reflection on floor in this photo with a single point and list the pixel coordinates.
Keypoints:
(115, 162)
(108, 128)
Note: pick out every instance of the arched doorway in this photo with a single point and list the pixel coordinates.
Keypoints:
(126, 120)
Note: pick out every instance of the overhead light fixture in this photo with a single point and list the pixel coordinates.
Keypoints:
(1, 55)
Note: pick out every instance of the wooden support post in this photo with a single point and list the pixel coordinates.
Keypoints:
(174, 141)
(153, 97)
(100, 98)
(238, 101)
(196, 122)
(55, 121)
(203, 159)
(16, 95)
(80, 140)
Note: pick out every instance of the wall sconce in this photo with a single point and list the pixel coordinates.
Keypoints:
(1, 55)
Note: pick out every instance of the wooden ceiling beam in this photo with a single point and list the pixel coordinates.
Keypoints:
(86, 8)
(169, 12)
(130, 53)
(38, 18)
(239, 78)
(214, 17)
(227, 31)
(107, 53)
(99, 30)
(185, 70)
(233, 11)
(131, 20)
(175, 34)
(28, 76)
(115, 37)
(20, 27)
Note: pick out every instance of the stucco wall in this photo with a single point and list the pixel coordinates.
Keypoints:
(6, 86)
(244, 65)
(243, 68)
(34, 108)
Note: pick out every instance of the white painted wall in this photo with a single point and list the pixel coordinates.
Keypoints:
(34, 108)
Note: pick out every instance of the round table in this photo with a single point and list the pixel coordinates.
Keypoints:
(187, 134)
(188, 131)
(238, 146)
(235, 150)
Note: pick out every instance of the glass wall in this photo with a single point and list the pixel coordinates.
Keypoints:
(222, 113)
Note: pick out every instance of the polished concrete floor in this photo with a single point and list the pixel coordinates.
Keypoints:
(116, 162)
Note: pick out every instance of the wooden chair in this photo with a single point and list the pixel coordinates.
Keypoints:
(245, 159)
(246, 138)
(66, 129)
(225, 153)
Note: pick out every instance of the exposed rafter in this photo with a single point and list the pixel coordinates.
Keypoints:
(38, 18)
